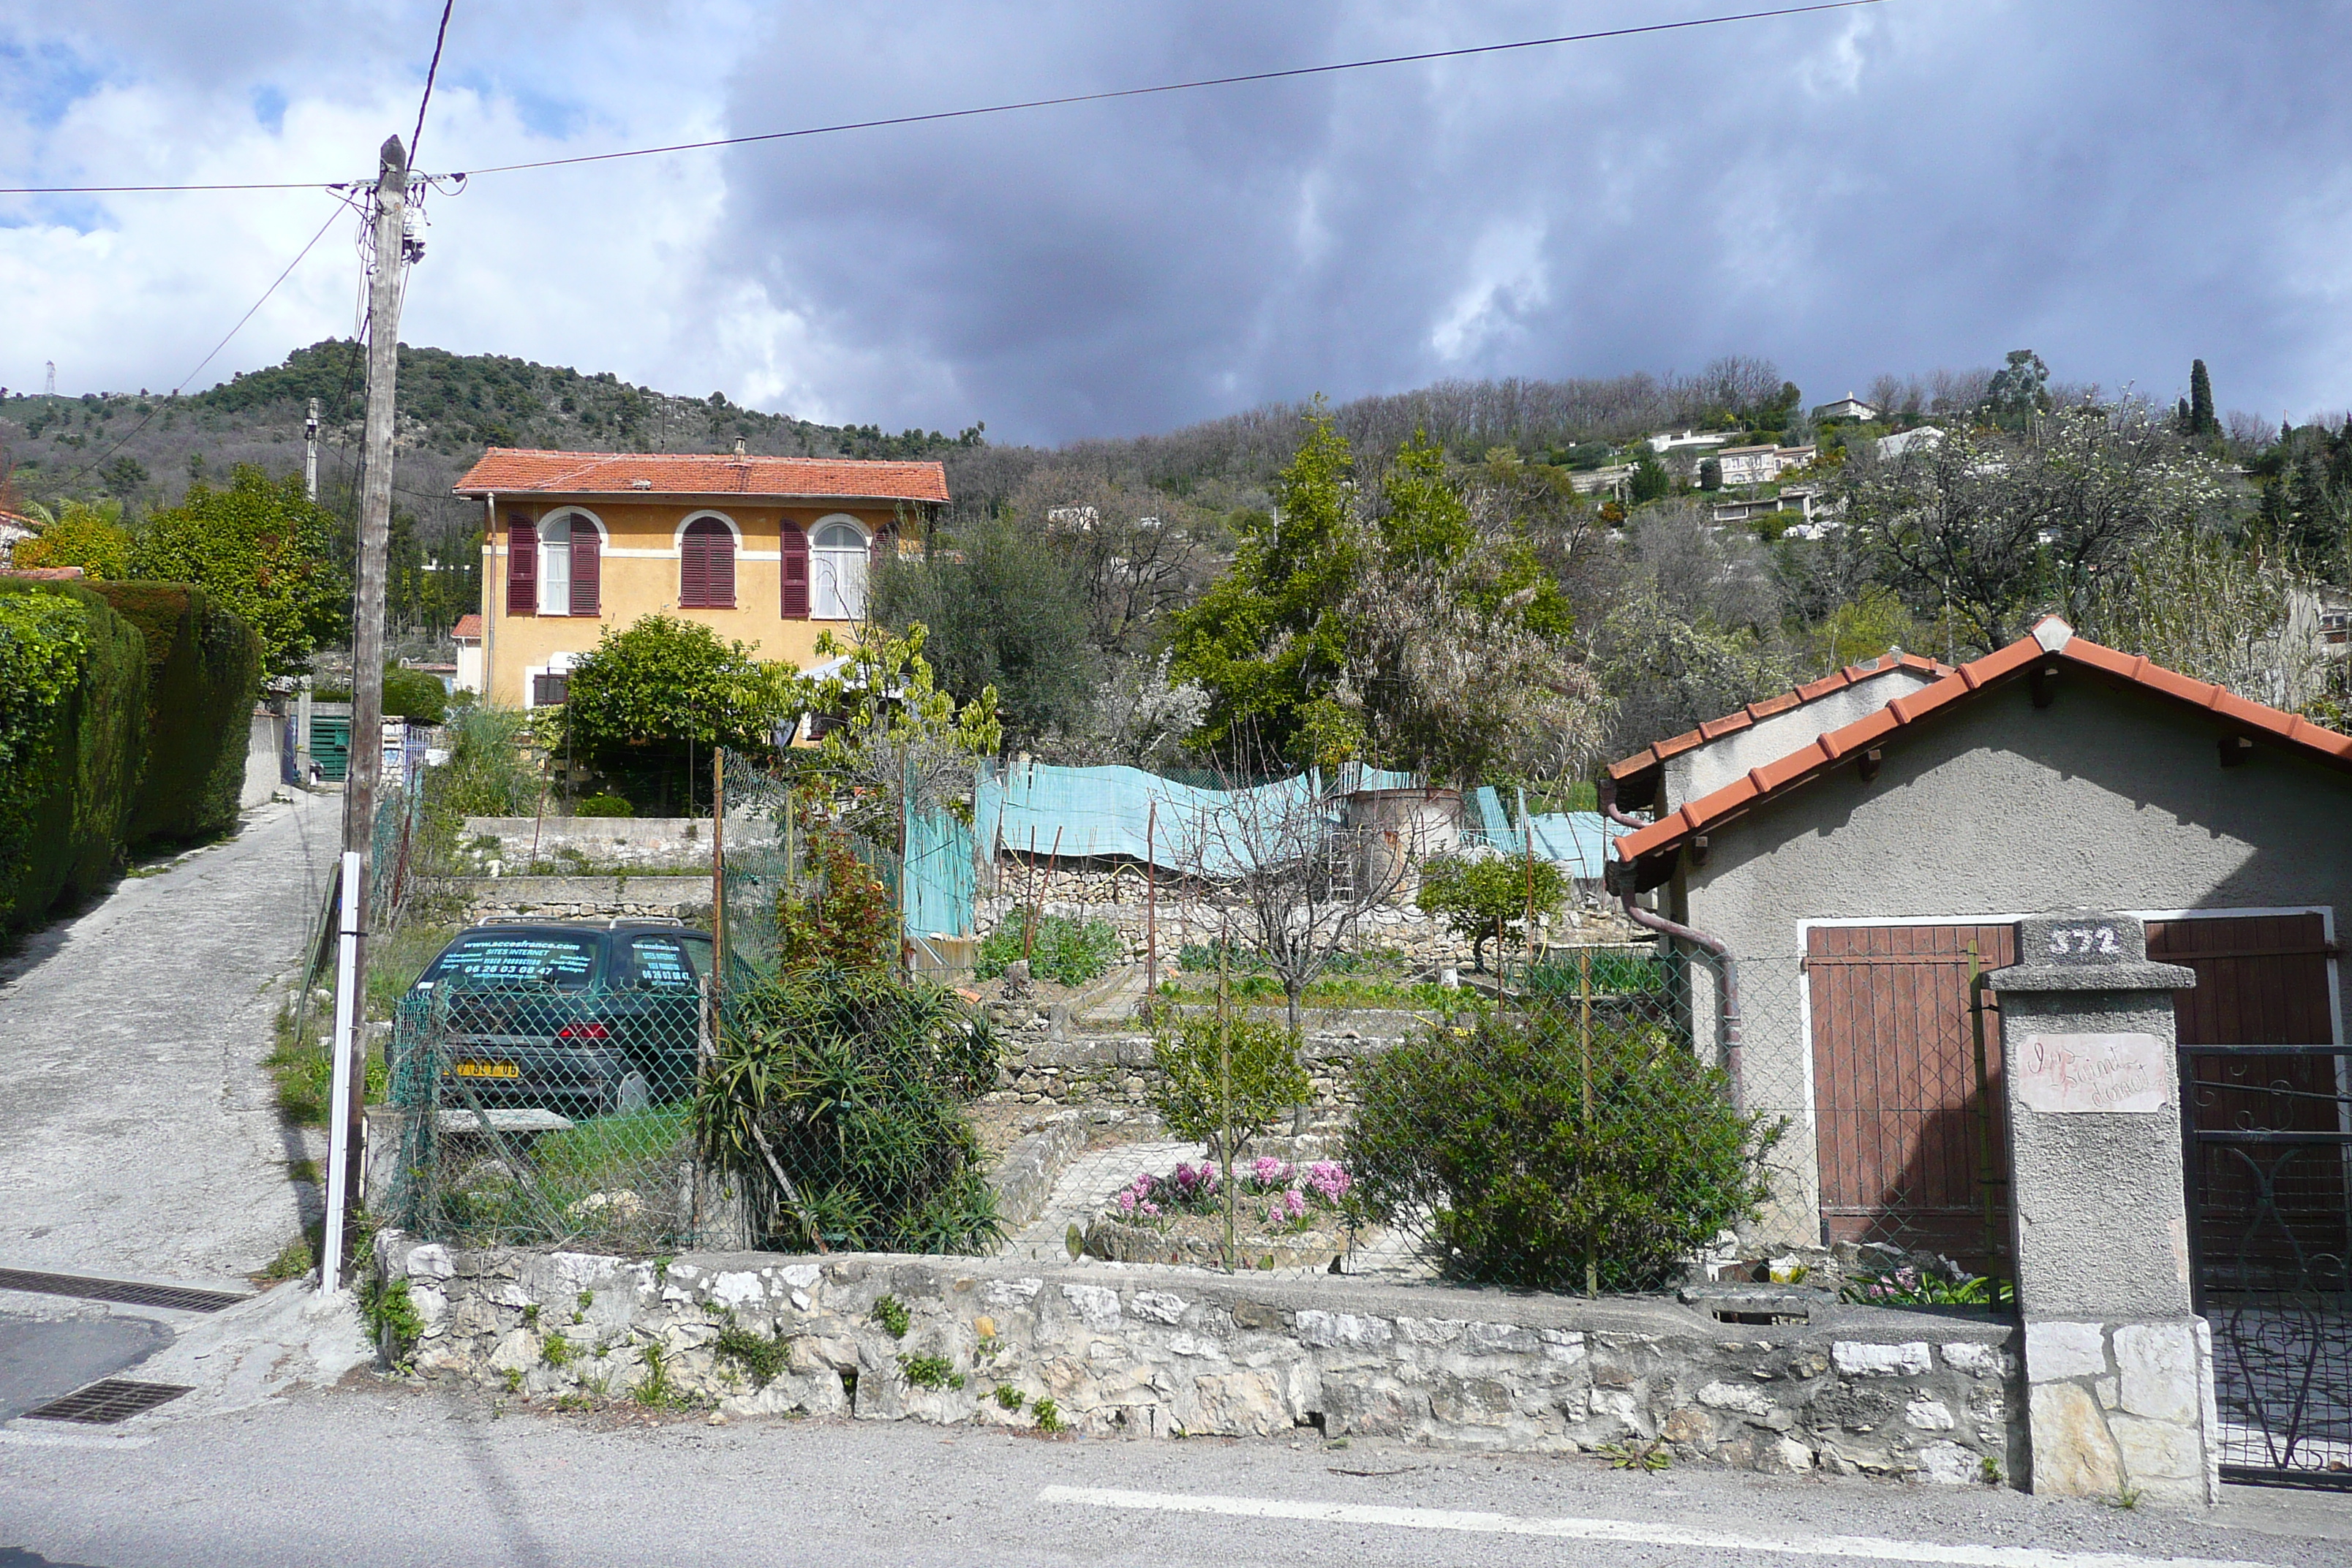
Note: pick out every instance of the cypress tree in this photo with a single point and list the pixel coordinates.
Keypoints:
(2200, 402)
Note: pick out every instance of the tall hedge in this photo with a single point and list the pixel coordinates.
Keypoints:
(203, 666)
(73, 722)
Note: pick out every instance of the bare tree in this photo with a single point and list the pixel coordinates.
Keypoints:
(1301, 880)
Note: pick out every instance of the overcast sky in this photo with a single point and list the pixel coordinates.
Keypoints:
(2121, 185)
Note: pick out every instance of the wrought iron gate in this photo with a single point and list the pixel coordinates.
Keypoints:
(2268, 1130)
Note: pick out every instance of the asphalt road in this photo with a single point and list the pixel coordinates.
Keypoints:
(373, 1475)
(139, 1133)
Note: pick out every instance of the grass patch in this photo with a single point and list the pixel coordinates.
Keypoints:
(294, 1261)
(306, 1078)
(396, 959)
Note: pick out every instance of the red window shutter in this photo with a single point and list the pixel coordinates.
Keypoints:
(693, 570)
(706, 566)
(522, 566)
(585, 543)
(722, 567)
(795, 572)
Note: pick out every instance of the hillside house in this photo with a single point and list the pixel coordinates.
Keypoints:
(1857, 847)
(771, 552)
(1846, 407)
(1761, 464)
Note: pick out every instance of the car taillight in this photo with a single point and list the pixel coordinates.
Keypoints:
(583, 1032)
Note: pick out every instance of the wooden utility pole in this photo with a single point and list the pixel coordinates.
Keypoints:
(347, 1119)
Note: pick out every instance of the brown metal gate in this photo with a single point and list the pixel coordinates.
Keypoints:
(1896, 1086)
(2267, 1114)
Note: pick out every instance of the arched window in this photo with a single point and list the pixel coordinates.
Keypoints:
(706, 566)
(838, 571)
(570, 562)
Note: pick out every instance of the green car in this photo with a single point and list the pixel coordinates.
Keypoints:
(584, 1017)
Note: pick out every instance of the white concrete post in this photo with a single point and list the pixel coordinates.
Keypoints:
(2118, 1367)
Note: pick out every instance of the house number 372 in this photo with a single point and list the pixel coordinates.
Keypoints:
(2067, 942)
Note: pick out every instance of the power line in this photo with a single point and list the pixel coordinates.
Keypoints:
(430, 72)
(1424, 56)
(156, 406)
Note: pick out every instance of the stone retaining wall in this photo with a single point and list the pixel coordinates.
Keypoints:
(579, 898)
(1169, 1353)
(581, 844)
(1117, 897)
(1043, 1062)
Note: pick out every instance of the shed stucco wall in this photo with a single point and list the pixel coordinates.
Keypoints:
(2107, 799)
(1708, 768)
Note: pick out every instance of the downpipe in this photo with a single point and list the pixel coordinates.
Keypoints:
(1726, 967)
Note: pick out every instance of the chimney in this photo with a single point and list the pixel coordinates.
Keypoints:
(738, 445)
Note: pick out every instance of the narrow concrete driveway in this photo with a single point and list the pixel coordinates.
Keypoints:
(139, 1132)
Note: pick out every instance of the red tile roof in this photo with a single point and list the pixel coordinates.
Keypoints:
(509, 471)
(469, 625)
(2053, 641)
(1635, 774)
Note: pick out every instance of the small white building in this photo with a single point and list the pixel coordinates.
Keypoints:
(1846, 407)
(1686, 439)
(468, 635)
(1924, 439)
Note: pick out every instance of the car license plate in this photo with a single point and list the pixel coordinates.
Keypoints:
(488, 1069)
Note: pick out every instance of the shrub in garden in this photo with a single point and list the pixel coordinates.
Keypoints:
(73, 720)
(838, 1096)
(604, 805)
(838, 914)
(486, 774)
(415, 694)
(1248, 1085)
(203, 666)
(1482, 1126)
(1487, 896)
(1069, 952)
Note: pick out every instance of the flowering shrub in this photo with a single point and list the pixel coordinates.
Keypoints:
(1297, 1192)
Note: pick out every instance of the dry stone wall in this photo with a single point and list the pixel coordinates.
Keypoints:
(1171, 1352)
(583, 897)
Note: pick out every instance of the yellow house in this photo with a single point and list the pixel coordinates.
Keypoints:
(768, 551)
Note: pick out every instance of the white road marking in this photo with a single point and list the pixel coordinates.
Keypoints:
(1874, 1549)
(22, 1439)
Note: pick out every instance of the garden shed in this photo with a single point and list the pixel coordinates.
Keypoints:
(1859, 851)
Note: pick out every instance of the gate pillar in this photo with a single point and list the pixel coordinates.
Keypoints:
(2118, 1367)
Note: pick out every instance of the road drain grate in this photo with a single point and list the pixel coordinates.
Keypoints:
(128, 1291)
(104, 1402)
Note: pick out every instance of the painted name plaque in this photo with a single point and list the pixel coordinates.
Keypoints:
(2116, 1073)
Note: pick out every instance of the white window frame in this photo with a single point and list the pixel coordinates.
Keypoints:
(828, 602)
(548, 569)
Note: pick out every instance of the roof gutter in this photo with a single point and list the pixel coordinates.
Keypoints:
(1726, 967)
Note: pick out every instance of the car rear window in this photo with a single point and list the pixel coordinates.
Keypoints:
(661, 966)
(517, 957)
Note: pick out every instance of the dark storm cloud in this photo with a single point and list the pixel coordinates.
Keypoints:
(2120, 184)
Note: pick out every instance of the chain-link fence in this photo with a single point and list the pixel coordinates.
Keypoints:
(544, 1078)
